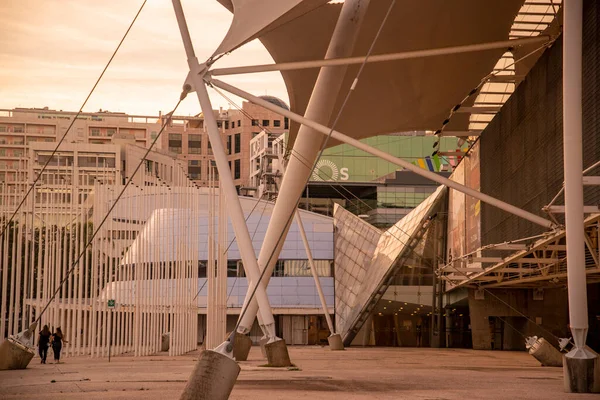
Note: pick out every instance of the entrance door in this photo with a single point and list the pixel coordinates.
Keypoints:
(496, 333)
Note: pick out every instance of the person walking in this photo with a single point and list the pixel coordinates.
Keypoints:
(43, 343)
(57, 342)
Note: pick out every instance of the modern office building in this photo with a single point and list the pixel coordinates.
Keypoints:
(379, 191)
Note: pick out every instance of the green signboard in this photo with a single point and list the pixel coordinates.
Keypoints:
(111, 303)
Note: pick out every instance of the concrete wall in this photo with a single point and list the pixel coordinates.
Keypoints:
(522, 150)
(517, 307)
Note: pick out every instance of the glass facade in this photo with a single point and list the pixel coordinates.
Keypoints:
(347, 163)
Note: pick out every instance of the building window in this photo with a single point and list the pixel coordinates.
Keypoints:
(265, 122)
(286, 123)
(238, 143)
(277, 123)
(194, 169)
(95, 132)
(219, 124)
(2, 128)
(110, 131)
(194, 144)
(237, 173)
(239, 123)
(227, 124)
(18, 129)
(229, 144)
(175, 142)
(254, 122)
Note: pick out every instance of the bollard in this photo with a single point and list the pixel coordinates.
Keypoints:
(335, 342)
(581, 371)
(164, 341)
(546, 354)
(277, 354)
(17, 351)
(241, 347)
(213, 377)
(14, 355)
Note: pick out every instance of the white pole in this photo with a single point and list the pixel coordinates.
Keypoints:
(573, 164)
(379, 153)
(210, 266)
(309, 141)
(226, 181)
(313, 270)
(5, 286)
(504, 44)
(221, 278)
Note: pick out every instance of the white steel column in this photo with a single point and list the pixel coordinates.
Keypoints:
(406, 55)
(573, 164)
(580, 366)
(313, 270)
(226, 181)
(309, 141)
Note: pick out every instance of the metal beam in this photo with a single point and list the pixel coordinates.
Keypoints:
(486, 259)
(381, 154)
(466, 269)
(561, 209)
(460, 133)
(381, 57)
(479, 110)
(531, 260)
(510, 246)
(506, 78)
(591, 180)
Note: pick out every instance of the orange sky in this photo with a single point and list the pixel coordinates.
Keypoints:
(52, 51)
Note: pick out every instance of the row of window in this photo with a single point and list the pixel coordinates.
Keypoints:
(265, 123)
(233, 125)
(31, 128)
(195, 143)
(195, 169)
(283, 268)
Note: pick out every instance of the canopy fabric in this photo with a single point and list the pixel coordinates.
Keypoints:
(404, 95)
(251, 18)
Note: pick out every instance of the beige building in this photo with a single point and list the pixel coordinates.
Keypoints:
(185, 139)
(189, 141)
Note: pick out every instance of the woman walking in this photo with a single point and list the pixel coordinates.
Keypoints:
(57, 341)
(43, 343)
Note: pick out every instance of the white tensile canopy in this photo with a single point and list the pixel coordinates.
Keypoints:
(395, 96)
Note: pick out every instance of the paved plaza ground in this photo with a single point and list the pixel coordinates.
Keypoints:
(356, 373)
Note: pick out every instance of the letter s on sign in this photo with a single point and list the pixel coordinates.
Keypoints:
(344, 174)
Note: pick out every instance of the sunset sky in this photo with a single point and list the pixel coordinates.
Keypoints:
(52, 51)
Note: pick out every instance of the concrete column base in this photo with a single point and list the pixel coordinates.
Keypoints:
(546, 354)
(165, 342)
(14, 355)
(335, 342)
(241, 347)
(213, 377)
(581, 370)
(262, 343)
(277, 354)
